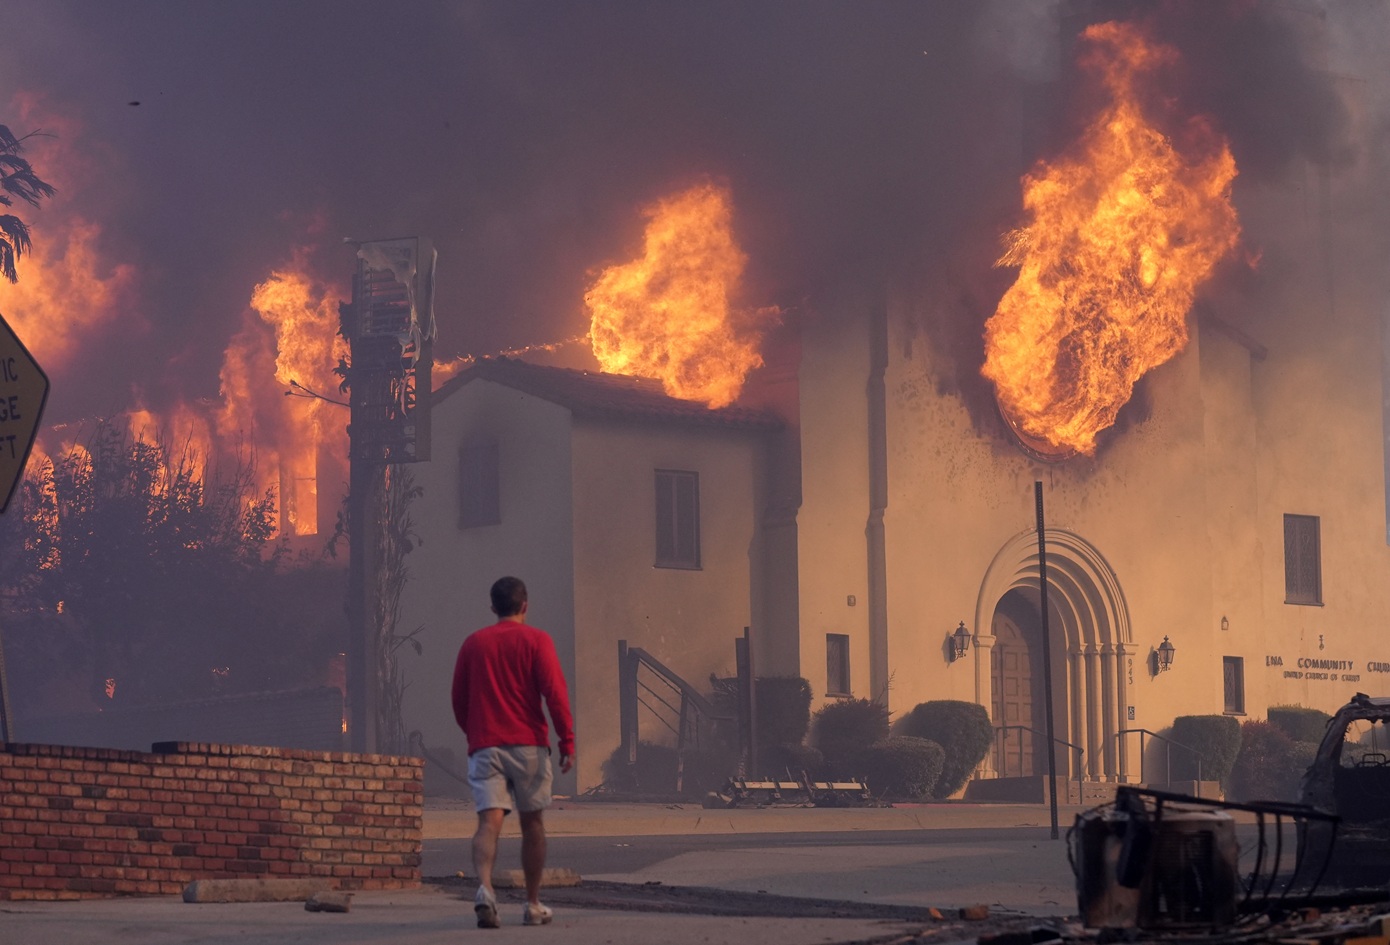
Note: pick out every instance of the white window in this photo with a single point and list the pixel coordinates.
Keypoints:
(677, 519)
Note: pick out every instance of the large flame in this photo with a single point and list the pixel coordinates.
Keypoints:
(669, 315)
(291, 338)
(1122, 232)
(66, 288)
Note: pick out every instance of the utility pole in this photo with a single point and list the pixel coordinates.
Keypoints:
(389, 327)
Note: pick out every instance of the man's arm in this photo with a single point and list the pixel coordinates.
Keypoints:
(551, 681)
(458, 694)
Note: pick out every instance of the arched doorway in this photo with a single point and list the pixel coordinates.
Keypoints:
(1091, 650)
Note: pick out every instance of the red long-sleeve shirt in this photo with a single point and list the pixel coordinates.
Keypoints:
(503, 674)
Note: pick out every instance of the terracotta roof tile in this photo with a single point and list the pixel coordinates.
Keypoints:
(593, 394)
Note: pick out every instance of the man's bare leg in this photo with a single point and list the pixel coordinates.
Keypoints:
(485, 844)
(532, 852)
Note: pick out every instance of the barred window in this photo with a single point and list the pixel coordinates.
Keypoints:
(1302, 560)
(480, 492)
(677, 519)
(837, 664)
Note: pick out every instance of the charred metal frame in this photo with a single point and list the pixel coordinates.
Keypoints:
(1265, 888)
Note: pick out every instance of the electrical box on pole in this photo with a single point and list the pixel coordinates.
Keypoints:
(390, 329)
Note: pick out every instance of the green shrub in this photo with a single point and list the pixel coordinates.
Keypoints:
(1301, 724)
(839, 729)
(1270, 765)
(899, 766)
(654, 772)
(784, 710)
(1216, 738)
(963, 731)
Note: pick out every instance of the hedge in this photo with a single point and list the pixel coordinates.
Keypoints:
(1300, 723)
(1216, 738)
(963, 731)
(1270, 765)
(899, 766)
(840, 729)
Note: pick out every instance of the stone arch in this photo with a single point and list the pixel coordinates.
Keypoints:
(1091, 643)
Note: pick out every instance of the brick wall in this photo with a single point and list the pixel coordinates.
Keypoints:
(81, 823)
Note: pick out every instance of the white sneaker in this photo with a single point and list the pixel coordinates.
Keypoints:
(537, 915)
(485, 906)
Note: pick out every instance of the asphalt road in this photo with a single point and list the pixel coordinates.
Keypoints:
(618, 857)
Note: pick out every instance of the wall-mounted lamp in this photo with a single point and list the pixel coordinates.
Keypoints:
(960, 642)
(1225, 624)
(1163, 656)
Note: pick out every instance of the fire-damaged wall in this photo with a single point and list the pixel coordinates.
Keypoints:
(1175, 528)
(78, 823)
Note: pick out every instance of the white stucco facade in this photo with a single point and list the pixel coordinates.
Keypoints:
(577, 524)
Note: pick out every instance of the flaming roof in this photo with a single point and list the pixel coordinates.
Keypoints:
(594, 395)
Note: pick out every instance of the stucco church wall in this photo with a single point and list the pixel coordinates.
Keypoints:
(1321, 446)
(452, 569)
(958, 494)
(688, 619)
(834, 496)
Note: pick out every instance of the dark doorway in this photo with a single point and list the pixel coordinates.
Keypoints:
(1015, 665)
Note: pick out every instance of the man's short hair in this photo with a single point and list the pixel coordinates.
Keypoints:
(508, 596)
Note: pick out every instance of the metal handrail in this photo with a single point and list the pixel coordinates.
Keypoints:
(702, 705)
(1167, 754)
(1080, 752)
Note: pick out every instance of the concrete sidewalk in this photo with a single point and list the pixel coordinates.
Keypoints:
(1018, 876)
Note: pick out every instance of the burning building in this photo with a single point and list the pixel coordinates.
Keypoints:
(1207, 431)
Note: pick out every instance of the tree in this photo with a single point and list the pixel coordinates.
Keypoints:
(17, 180)
(159, 577)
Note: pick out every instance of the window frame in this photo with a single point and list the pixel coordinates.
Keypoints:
(1233, 685)
(677, 544)
(480, 483)
(1303, 560)
(840, 641)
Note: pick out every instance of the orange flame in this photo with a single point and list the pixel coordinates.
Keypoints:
(68, 291)
(1122, 233)
(292, 337)
(668, 314)
(65, 288)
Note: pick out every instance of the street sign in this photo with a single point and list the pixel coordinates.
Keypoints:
(23, 390)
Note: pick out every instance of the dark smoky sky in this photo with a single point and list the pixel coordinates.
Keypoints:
(524, 137)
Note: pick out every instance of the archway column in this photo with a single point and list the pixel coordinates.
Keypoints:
(1109, 712)
(1076, 675)
(1123, 655)
(1093, 706)
(984, 689)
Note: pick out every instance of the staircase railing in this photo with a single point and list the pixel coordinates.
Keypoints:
(1168, 747)
(657, 690)
(1001, 750)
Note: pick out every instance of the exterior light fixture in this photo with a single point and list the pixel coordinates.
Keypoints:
(960, 642)
(1225, 624)
(1163, 657)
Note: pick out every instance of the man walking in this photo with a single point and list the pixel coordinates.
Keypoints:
(502, 675)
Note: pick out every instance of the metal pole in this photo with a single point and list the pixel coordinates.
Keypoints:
(1047, 659)
(753, 752)
(744, 668)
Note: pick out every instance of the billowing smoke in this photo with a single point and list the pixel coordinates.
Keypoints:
(523, 137)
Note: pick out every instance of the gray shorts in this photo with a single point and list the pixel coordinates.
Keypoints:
(497, 775)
